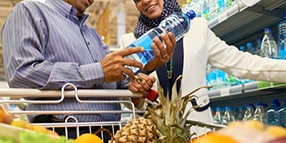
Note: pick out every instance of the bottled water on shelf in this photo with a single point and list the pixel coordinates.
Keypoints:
(218, 115)
(258, 46)
(282, 114)
(227, 116)
(221, 5)
(282, 37)
(259, 113)
(241, 111)
(272, 113)
(251, 48)
(268, 46)
(248, 114)
(176, 23)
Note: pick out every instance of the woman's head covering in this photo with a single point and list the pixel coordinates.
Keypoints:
(144, 23)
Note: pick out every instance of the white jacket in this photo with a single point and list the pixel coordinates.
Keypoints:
(201, 46)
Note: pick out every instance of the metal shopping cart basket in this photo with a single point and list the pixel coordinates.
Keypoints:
(8, 96)
(72, 121)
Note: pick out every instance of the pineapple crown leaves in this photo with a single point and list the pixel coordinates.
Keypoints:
(169, 115)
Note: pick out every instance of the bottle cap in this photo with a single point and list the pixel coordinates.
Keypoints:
(267, 29)
(191, 13)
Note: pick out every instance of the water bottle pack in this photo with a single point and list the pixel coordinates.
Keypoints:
(272, 113)
(228, 116)
(249, 111)
(259, 113)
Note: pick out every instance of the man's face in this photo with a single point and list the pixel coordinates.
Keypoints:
(80, 5)
(150, 8)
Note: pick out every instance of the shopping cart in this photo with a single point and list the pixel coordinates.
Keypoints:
(15, 96)
(12, 96)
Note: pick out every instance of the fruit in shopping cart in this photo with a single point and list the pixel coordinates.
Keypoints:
(20, 123)
(88, 138)
(277, 140)
(165, 122)
(39, 129)
(276, 131)
(53, 133)
(254, 131)
(254, 124)
(214, 138)
(2, 116)
(5, 117)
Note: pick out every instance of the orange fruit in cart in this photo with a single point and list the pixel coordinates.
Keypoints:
(88, 138)
(2, 116)
(276, 131)
(214, 138)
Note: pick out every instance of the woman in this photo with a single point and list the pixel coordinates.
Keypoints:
(195, 50)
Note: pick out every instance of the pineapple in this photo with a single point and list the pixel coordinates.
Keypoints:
(164, 123)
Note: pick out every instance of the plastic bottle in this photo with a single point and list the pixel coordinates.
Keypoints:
(282, 37)
(221, 79)
(268, 46)
(242, 48)
(282, 114)
(248, 114)
(206, 9)
(241, 110)
(218, 115)
(258, 46)
(251, 48)
(228, 3)
(227, 116)
(272, 113)
(259, 113)
(212, 8)
(176, 23)
(221, 5)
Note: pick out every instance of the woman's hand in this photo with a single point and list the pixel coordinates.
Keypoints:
(142, 83)
(163, 51)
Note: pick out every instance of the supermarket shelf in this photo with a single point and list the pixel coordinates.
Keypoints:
(249, 93)
(240, 22)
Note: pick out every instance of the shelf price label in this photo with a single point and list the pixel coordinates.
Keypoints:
(224, 91)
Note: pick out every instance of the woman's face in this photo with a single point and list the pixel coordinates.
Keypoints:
(80, 5)
(150, 8)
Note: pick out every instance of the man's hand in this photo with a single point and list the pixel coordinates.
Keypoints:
(114, 65)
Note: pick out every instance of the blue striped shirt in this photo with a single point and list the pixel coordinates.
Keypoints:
(45, 45)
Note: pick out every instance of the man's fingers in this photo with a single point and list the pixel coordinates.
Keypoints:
(128, 73)
(129, 51)
(131, 62)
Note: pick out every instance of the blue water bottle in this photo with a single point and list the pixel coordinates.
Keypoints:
(272, 113)
(259, 113)
(282, 37)
(282, 114)
(177, 23)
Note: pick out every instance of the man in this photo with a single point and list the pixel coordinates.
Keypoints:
(46, 45)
